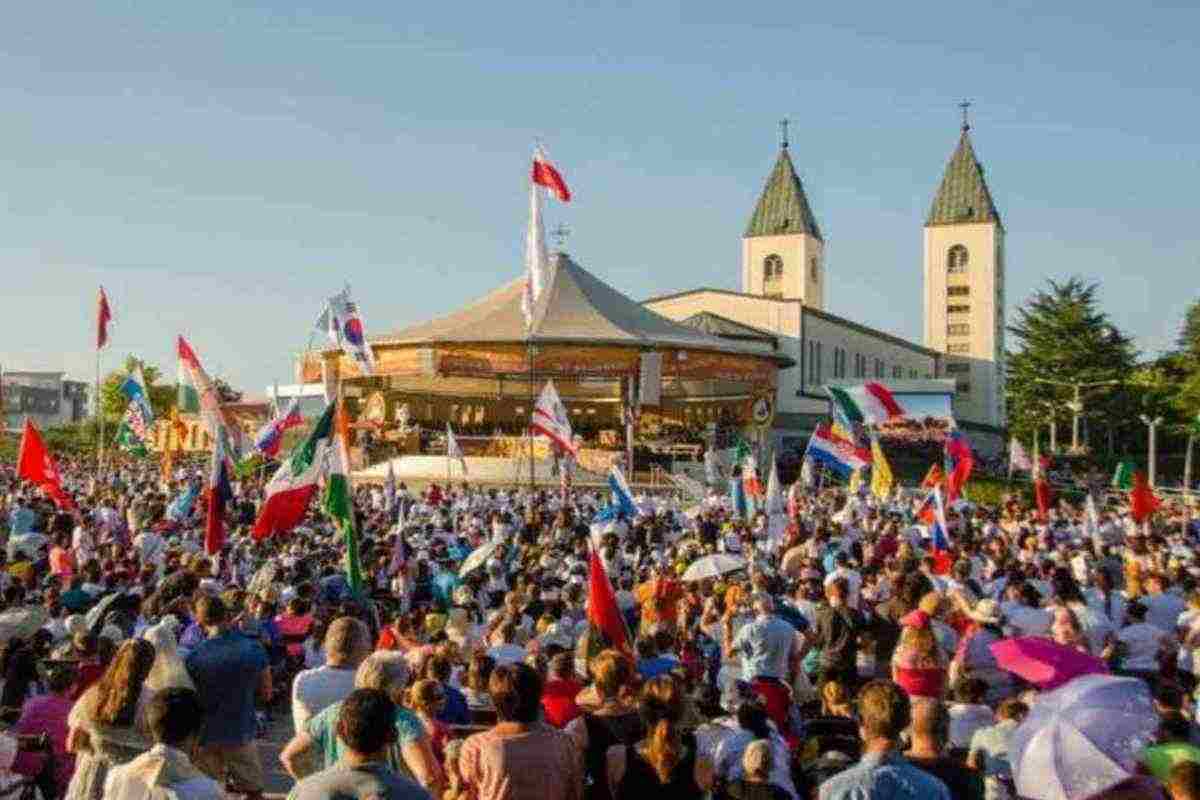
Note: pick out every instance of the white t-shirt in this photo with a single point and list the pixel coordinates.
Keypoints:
(316, 689)
(507, 654)
(1142, 642)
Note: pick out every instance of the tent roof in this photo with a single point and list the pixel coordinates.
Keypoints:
(576, 307)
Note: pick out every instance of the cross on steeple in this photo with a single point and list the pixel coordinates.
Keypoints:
(783, 133)
(560, 234)
(966, 122)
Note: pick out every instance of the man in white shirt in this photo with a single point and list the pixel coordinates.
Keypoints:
(175, 717)
(853, 579)
(347, 644)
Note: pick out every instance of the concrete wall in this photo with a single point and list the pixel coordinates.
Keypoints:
(836, 338)
(798, 253)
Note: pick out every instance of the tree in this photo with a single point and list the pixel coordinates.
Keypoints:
(1062, 336)
(1189, 333)
(113, 401)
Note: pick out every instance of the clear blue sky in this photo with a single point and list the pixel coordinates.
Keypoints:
(221, 168)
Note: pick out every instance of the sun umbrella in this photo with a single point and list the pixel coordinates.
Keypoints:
(96, 614)
(477, 558)
(1044, 662)
(1082, 738)
(713, 566)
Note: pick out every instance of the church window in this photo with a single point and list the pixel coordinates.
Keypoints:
(959, 348)
(956, 259)
(897, 371)
(820, 365)
(957, 309)
(957, 367)
(812, 269)
(958, 329)
(958, 291)
(772, 267)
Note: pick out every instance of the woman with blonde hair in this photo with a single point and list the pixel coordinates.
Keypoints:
(427, 699)
(918, 666)
(666, 764)
(107, 727)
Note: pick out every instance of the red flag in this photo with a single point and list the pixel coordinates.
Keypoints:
(959, 463)
(103, 317)
(35, 465)
(545, 174)
(1041, 493)
(1142, 502)
(933, 477)
(602, 608)
(217, 494)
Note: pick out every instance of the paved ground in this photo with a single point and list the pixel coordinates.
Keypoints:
(277, 781)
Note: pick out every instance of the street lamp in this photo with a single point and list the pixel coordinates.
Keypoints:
(1152, 424)
(1076, 404)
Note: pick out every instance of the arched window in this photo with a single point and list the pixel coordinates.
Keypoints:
(956, 259)
(772, 267)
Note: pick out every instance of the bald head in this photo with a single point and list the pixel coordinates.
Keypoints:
(347, 642)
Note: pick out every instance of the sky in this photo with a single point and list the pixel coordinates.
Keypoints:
(222, 167)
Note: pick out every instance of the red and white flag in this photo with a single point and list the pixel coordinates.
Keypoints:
(546, 174)
(537, 259)
(103, 318)
(550, 418)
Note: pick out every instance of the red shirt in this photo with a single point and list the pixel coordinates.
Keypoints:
(558, 701)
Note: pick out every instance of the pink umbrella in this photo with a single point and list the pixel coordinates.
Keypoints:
(1044, 662)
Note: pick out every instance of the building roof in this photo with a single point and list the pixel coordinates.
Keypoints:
(783, 206)
(856, 326)
(576, 307)
(717, 325)
(963, 195)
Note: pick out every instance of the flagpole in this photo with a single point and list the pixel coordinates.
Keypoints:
(528, 428)
(99, 418)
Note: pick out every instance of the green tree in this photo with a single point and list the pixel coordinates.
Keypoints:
(1189, 333)
(113, 401)
(1061, 335)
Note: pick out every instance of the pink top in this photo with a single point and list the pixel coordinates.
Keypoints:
(540, 764)
(917, 678)
(47, 714)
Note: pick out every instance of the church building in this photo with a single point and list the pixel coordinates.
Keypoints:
(782, 301)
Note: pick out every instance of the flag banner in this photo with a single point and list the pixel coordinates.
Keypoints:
(36, 465)
(181, 507)
(1142, 500)
(1123, 476)
(134, 387)
(933, 514)
(132, 431)
(338, 502)
(453, 450)
(218, 494)
(622, 497)
(868, 404)
(838, 454)
(960, 460)
(103, 318)
(650, 379)
(550, 419)
(295, 482)
(544, 173)
(881, 472)
(208, 400)
(343, 323)
(270, 436)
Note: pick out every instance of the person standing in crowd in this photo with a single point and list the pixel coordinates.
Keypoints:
(174, 718)
(347, 643)
(883, 773)
(229, 671)
(364, 726)
(835, 636)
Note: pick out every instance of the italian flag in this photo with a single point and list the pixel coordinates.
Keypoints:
(339, 500)
(1123, 476)
(869, 404)
(296, 481)
(187, 399)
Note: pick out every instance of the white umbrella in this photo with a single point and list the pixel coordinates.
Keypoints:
(477, 558)
(713, 566)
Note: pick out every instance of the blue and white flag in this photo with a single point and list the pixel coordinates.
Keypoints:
(622, 497)
(342, 322)
(181, 507)
(933, 514)
(134, 387)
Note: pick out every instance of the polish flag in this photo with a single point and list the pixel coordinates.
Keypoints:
(546, 174)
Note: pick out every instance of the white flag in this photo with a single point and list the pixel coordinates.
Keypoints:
(1018, 459)
(341, 321)
(537, 260)
(775, 503)
(550, 418)
(453, 450)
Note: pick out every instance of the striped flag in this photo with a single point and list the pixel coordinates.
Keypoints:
(218, 493)
(295, 482)
(869, 404)
(338, 502)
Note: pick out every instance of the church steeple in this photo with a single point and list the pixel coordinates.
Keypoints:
(783, 207)
(963, 195)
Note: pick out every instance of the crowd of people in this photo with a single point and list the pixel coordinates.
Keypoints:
(831, 655)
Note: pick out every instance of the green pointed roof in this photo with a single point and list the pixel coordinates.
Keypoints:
(783, 207)
(963, 195)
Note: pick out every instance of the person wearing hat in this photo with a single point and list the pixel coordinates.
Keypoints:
(973, 657)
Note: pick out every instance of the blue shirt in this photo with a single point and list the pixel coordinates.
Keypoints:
(653, 667)
(456, 711)
(226, 670)
(20, 521)
(883, 777)
(764, 646)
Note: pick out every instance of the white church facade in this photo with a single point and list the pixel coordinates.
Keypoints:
(782, 305)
